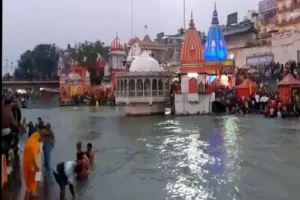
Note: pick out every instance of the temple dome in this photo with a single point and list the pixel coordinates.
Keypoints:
(73, 76)
(215, 47)
(144, 63)
(117, 45)
(191, 51)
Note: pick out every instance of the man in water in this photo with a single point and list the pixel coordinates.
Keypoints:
(40, 122)
(90, 153)
(79, 148)
(8, 123)
(65, 174)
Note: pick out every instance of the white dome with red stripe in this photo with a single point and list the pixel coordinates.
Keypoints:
(117, 45)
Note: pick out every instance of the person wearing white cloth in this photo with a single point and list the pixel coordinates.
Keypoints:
(65, 174)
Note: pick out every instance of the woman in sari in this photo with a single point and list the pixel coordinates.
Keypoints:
(31, 162)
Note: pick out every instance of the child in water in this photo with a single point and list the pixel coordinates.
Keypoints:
(89, 153)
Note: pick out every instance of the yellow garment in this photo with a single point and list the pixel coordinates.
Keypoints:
(31, 159)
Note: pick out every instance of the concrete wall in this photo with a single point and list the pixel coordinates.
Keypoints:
(184, 107)
(284, 47)
(139, 109)
(239, 41)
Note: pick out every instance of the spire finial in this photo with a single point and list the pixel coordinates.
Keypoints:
(215, 19)
(117, 34)
(192, 24)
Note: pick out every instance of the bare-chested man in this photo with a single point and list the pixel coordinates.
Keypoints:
(8, 122)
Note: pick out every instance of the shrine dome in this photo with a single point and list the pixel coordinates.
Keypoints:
(73, 76)
(191, 51)
(117, 45)
(144, 63)
(215, 47)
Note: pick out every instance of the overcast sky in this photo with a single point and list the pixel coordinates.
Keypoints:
(30, 22)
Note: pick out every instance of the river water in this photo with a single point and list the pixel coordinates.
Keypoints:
(166, 157)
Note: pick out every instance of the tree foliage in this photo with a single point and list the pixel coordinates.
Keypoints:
(87, 55)
(39, 63)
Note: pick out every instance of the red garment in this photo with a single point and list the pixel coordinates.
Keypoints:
(84, 174)
(286, 101)
(273, 104)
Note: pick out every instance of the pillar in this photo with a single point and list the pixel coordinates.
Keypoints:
(135, 87)
(143, 87)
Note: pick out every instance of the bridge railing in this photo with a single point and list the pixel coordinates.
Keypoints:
(29, 79)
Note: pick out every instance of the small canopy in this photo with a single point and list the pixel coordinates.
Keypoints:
(289, 80)
(247, 83)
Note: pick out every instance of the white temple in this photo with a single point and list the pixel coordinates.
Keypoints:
(145, 88)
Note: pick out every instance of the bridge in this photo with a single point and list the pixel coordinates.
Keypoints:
(14, 84)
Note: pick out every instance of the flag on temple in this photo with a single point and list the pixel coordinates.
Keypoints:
(146, 26)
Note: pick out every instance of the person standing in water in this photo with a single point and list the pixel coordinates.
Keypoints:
(40, 122)
(30, 128)
(83, 161)
(89, 153)
(24, 126)
(65, 174)
(32, 163)
(79, 148)
(48, 143)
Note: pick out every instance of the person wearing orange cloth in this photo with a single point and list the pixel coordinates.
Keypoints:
(32, 162)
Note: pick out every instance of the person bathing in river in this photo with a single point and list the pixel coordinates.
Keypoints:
(65, 174)
(40, 122)
(89, 153)
(83, 161)
(24, 126)
(79, 148)
(48, 143)
(30, 128)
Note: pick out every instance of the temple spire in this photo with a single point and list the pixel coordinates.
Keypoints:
(192, 24)
(215, 19)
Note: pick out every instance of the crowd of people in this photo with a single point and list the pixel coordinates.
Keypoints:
(40, 142)
(265, 100)
(269, 73)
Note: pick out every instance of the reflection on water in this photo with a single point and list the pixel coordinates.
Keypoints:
(165, 157)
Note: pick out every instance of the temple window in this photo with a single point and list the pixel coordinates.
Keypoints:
(160, 87)
(131, 88)
(147, 87)
(154, 87)
(140, 87)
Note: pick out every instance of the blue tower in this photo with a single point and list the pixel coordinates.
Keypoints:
(215, 47)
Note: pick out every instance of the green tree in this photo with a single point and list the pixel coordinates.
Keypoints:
(41, 62)
(87, 54)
